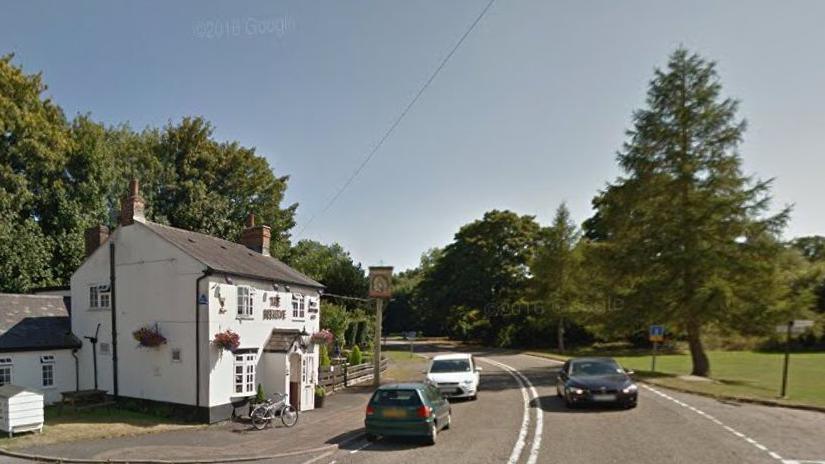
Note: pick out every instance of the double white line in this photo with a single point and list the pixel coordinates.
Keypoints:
(525, 385)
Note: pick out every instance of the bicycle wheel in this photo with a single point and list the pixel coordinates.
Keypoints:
(289, 416)
(259, 419)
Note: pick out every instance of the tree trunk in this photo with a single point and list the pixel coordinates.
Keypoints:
(560, 335)
(701, 364)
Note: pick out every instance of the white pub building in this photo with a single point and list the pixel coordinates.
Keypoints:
(156, 300)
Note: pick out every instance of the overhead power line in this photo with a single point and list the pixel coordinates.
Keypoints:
(397, 121)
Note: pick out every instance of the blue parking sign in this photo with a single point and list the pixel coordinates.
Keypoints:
(657, 333)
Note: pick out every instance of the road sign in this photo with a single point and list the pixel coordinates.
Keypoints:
(657, 333)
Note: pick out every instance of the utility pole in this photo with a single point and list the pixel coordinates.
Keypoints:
(380, 288)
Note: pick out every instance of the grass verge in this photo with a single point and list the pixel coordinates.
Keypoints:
(745, 375)
(92, 424)
(404, 367)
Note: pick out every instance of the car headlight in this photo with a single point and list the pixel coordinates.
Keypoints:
(575, 390)
(630, 388)
(468, 382)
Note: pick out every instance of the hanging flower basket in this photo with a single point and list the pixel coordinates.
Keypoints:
(149, 337)
(227, 340)
(322, 337)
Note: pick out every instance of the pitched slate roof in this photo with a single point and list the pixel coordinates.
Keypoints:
(233, 258)
(281, 340)
(35, 322)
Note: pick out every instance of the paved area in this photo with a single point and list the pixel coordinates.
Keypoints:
(339, 420)
(516, 419)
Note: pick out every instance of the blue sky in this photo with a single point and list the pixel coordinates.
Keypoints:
(527, 114)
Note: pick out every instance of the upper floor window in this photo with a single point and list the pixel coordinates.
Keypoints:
(244, 301)
(100, 297)
(298, 309)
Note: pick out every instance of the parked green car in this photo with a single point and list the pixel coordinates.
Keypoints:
(407, 409)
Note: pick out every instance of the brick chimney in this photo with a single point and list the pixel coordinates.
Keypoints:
(95, 236)
(256, 238)
(131, 209)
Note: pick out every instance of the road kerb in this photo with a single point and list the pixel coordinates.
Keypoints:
(56, 459)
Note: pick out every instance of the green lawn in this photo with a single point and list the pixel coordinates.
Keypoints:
(737, 373)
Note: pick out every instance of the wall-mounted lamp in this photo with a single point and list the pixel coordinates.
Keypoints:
(228, 279)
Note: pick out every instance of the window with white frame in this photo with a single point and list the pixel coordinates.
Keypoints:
(298, 308)
(244, 301)
(5, 371)
(47, 370)
(100, 297)
(245, 373)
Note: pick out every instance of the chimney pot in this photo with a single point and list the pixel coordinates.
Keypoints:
(250, 220)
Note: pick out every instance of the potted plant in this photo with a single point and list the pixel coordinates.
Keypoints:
(149, 337)
(320, 394)
(227, 340)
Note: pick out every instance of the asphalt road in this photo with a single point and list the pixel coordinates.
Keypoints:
(665, 427)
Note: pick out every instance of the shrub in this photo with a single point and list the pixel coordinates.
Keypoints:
(260, 396)
(355, 356)
(320, 391)
(323, 356)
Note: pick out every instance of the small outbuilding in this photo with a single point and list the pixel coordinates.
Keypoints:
(21, 409)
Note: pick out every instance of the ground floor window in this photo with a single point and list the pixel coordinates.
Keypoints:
(5, 371)
(245, 373)
(47, 370)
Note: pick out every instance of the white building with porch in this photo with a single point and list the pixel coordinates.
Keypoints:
(187, 287)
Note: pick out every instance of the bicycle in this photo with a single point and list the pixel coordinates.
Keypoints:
(266, 412)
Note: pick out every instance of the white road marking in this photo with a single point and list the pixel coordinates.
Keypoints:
(319, 457)
(525, 423)
(360, 448)
(730, 429)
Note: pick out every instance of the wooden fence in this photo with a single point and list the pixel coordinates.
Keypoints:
(342, 375)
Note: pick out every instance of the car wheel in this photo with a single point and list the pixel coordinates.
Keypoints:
(569, 403)
(474, 397)
(433, 437)
(371, 437)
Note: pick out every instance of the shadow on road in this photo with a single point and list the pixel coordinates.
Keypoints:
(552, 403)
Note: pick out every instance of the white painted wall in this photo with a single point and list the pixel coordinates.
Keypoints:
(254, 333)
(27, 372)
(155, 285)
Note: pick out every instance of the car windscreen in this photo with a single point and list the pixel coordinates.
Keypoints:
(450, 365)
(400, 398)
(590, 368)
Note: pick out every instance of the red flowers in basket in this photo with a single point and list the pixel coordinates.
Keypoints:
(228, 340)
(149, 337)
(322, 337)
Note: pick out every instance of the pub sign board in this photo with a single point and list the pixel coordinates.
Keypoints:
(380, 282)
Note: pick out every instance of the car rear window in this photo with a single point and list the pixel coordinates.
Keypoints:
(396, 398)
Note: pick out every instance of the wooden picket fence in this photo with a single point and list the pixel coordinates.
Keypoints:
(342, 375)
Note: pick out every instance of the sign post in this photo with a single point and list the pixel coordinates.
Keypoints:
(656, 335)
(792, 327)
(380, 288)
